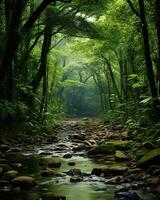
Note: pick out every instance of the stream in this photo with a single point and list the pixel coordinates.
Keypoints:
(34, 160)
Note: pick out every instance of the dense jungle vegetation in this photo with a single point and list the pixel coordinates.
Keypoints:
(79, 58)
(80, 99)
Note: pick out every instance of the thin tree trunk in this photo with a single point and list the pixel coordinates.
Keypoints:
(157, 19)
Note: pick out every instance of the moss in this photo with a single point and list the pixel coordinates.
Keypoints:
(120, 144)
(104, 149)
(120, 156)
(150, 158)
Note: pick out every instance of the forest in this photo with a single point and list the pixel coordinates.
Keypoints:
(79, 99)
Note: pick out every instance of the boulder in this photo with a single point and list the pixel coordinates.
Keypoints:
(117, 170)
(75, 179)
(52, 196)
(49, 172)
(150, 158)
(24, 182)
(54, 164)
(67, 155)
(71, 163)
(10, 174)
(104, 149)
(73, 172)
(120, 156)
(127, 196)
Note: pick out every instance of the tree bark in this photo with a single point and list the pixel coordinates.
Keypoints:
(147, 53)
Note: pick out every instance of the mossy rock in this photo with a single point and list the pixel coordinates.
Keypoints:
(120, 144)
(150, 158)
(120, 156)
(104, 149)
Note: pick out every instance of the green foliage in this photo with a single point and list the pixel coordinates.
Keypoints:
(12, 109)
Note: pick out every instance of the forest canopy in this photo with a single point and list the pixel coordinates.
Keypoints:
(79, 58)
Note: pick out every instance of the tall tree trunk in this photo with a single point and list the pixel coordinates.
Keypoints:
(147, 53)
(13, 40)
(6, 67)
(113, 79)
(157, 19)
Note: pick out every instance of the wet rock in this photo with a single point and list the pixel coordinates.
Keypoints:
(80, 147)
(15, 150)
(150, 158)
(67, 156)
(120, 156)
(71, 163)
(1, 170)
(109, 171)
(104, 149)
(10, 174)
(52, 196)
(16, 165)
(153, 180)
(74, 172)
(127, 196)
(4, 147)
(80, 137)
(5, 167)
(158, 189)
(74, 179)
(50, 172)
(54, 164)
(24, 182)
(4, 183)
(113, 181)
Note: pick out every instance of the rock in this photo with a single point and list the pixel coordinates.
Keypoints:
(24, 182)
(80, 137)
(148, 145)
(52, 196)
(80, 147)
(71, 163)
(4, 183)
(113, 181)
(127, 196)
(158, 189)
(153, 180)
(120, 156)
(118, 170)
(67, 156)
(104, 149)
(10, 174)
(1, 170)
(5, 167)
(73, 172)
(75, 179)
(150, 158)
(120, 144)
(4, 147)
(50, 172)
(54, 164)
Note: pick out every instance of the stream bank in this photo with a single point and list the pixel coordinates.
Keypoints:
(79, 160)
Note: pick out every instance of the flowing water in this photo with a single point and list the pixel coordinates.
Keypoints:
(90, 188)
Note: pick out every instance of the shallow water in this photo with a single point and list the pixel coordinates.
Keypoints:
(91, 188)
